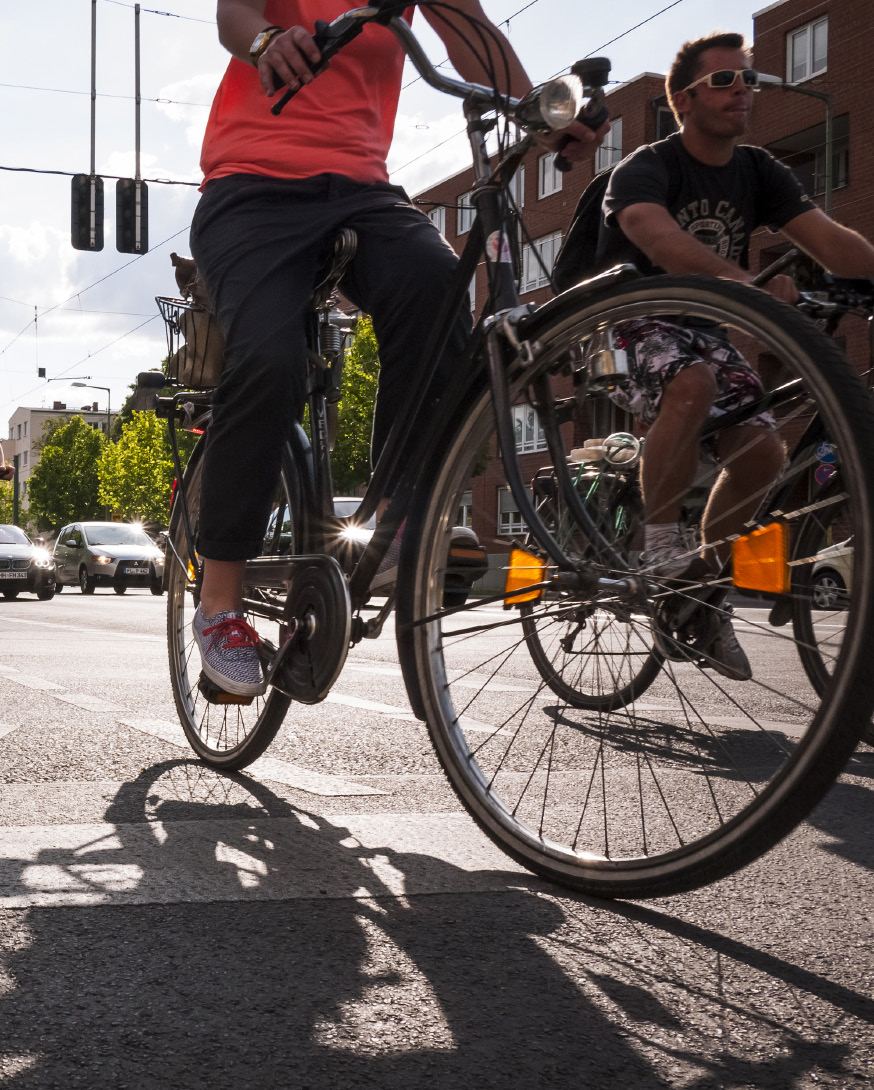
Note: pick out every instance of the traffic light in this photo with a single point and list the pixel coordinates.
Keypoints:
(131, 216)
(86, 220)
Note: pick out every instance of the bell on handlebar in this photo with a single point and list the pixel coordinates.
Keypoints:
(593, 71)
(552, 105)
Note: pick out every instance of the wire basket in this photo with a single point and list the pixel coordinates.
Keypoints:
(195, 347)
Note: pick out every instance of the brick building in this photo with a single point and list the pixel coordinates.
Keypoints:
(817, 48)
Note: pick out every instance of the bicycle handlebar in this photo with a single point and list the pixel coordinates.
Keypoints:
(330, 38)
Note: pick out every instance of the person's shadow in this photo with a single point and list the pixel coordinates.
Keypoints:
(300, 961)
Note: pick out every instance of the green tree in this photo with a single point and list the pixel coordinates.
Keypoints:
(64, 483)
(136, 473)
(351, 458)
(5, 503)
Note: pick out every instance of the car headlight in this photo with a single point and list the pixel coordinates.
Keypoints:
(158, 558)
(103, 559)
(42, 558)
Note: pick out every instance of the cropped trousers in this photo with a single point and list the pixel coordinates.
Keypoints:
(258, 243)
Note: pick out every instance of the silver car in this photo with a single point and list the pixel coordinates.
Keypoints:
(110, 554)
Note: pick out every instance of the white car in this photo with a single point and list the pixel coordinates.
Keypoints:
(832, 576)
(108, 554)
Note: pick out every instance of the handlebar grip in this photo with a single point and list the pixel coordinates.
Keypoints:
(320, 37)
(593, 115)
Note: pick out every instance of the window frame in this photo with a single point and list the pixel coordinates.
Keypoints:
(541, 280)
(438, 217)
(523, 445)
(465, 213)
(609, 154)
(792, 36)
(514, 527)
(547, 172)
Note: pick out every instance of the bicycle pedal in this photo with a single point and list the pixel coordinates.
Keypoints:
(214, 695)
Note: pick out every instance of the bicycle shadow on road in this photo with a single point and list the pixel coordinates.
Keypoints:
(254, 984)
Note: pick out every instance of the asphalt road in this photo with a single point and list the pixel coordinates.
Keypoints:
(335, 920)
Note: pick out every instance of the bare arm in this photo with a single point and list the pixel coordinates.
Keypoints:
(655, 231)
(455, 32)
(840, 250)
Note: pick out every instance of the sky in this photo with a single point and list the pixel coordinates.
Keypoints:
(92, 316)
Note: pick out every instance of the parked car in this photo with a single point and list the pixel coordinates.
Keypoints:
(110, 554)
(343, 506)
(25, 565)
(832, 576)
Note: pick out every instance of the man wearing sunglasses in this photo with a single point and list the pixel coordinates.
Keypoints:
(689, 204)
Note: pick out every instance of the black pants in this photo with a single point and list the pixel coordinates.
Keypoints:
(257, 242)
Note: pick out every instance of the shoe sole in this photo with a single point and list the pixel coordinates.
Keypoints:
(236, 688)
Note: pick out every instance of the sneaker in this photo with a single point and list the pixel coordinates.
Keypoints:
(679, 560)
(228, 652)
(387, 572)
(726, 655)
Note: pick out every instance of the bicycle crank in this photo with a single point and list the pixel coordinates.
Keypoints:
(317, 624)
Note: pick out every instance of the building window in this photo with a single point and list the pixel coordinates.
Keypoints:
(19, 431)
(25, 428)
(25, 457)
(610, 151)
(805, 153)
(538, 259)
(517, 187)
(807, 51)
(464, 516)
(549, 178)
(510, 521)
(438, 217)
(471, 291)
(528, 429)
(466, 213)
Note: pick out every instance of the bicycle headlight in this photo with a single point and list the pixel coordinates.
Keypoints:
(553, 105)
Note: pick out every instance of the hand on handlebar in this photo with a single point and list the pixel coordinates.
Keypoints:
(7, 472)
(782, 287)
(289, 60)
(576, 142)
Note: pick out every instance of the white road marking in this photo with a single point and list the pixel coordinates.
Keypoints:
(265, 768)
(95, 633)
(350, 856)
(372, 706)
(7, 728)
(90, 703)
(25, 680)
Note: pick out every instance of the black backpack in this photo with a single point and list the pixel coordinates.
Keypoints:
(577, 256)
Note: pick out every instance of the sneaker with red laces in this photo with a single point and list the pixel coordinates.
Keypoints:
(229, 652)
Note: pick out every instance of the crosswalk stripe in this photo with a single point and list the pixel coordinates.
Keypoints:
(89, 703)
(265, 768)
(27, 681)
(7, 728)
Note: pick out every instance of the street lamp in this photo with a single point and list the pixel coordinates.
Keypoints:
(766, 80)
(108, 392)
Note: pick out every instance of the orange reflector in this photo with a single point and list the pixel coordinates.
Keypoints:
(760, 560)
(523, 570)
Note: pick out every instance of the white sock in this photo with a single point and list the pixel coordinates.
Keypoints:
(660, 535)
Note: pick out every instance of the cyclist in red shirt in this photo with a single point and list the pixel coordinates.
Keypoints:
(275, 193)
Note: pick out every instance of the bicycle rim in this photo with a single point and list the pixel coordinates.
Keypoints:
(226, 736)
(645, 797)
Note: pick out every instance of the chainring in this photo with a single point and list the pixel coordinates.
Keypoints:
(319, 614)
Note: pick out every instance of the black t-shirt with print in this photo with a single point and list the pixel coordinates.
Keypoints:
(720, 206)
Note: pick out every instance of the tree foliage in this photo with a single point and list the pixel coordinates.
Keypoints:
(136, 473)
(351, 458)
(64, 484)
(5, 503)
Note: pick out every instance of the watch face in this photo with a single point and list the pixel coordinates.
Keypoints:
(260, 43)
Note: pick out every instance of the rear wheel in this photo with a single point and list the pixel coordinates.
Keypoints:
(615, 796)
(228, 736)
(120, 588)
(86, 583)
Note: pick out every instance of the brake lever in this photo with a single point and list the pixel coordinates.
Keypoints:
(329, 39)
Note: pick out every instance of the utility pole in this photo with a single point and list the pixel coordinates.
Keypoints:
(87, 189)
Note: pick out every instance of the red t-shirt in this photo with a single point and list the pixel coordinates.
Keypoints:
(342, 123)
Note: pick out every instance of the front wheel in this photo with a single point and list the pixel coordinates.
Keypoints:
(639, 795)
(11, 594)
(227, 736)
(120, 588)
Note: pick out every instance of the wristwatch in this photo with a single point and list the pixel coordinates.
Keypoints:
(262, 40)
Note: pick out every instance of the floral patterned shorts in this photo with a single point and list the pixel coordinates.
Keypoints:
(659, 350)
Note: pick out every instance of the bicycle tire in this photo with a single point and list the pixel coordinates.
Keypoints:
(230, 736)
(819, 624)
(658, 799)
(570, 642)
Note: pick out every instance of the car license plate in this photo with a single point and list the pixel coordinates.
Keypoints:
(13, 574)
(136, 571)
